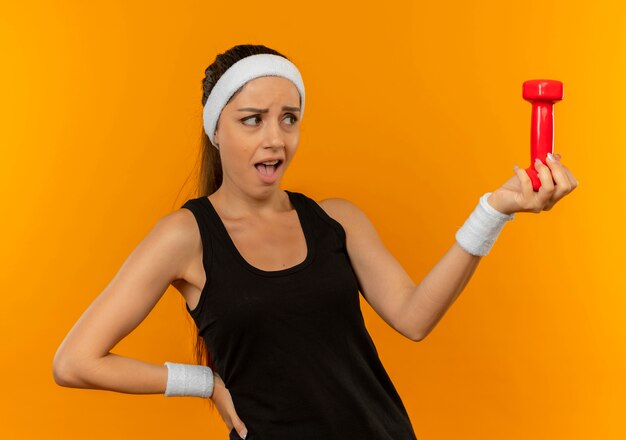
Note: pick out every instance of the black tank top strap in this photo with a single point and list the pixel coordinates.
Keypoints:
(319, 212)
(203, 223)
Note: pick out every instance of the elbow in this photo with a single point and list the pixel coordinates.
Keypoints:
(417, 336)
(413, 333)
(62, 372)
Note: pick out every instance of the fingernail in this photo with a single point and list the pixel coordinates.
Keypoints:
(538, 161)
(243, 433)
(515, 167)
(551, 157)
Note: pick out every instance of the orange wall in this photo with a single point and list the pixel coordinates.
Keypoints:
(414, 110)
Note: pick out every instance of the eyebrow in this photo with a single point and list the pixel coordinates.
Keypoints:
(265, 110)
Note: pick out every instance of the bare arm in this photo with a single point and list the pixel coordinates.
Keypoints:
(430, 300)
(84, 360)
(412, 310)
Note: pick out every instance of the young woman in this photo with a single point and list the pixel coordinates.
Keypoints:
(272, 278)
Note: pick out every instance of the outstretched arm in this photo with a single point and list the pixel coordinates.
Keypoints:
(412, 310)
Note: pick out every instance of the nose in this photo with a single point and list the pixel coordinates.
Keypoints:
(274, 136)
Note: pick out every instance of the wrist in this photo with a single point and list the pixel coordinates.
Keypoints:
(480, 231)
(189, 380)
(496, 204)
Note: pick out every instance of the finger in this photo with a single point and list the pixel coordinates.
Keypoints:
(573, 180)
(547, 188)
(526, 186)
(239, 427)
(559, 174)
(563, 183)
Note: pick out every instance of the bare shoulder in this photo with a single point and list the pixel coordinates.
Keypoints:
(179, 234)
(181, 223)
(342, 210)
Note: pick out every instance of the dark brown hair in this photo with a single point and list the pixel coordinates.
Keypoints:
(210, 174)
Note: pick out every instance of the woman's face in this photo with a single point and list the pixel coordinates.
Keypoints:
(260, 123)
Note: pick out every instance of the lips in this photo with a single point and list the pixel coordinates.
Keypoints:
(269, 159)
(268, 170)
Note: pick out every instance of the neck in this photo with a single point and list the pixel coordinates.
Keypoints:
(238, 203)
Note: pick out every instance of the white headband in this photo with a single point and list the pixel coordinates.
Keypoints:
(241, 72)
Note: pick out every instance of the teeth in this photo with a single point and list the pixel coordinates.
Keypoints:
(272, 162)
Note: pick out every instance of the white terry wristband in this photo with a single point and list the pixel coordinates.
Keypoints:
(188, 380)
(481, 229)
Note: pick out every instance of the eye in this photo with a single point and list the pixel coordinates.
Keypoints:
(293, 118)
(250, 117)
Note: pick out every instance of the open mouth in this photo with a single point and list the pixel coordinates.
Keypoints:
(268, 170)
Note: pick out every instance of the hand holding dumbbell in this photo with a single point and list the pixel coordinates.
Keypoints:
(539, 187)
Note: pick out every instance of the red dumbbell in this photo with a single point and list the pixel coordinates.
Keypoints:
(542, 93)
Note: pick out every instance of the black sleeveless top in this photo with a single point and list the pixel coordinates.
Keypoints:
(291, 344)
